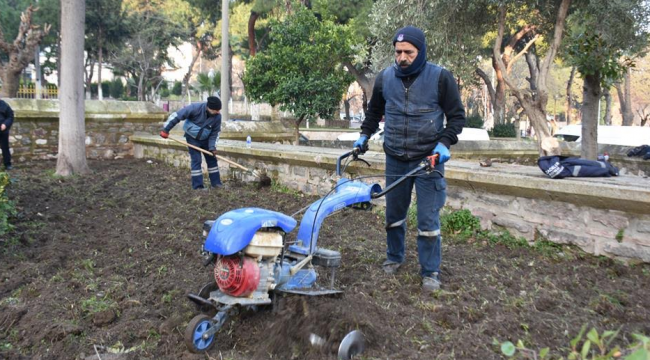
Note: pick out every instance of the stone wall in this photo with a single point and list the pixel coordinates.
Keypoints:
(602, 216)
(109, 125)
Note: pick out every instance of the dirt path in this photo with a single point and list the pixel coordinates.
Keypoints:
(107, 259)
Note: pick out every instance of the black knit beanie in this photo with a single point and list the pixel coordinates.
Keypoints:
(214, 103)
(412, 35)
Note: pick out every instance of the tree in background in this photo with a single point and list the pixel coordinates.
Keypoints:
(15, 56)
(105, 29)
(209, 84)
(71, 158)
(145, 51)
(356, 15)
(604, 38)
(301, 69)
(533, 98)
(199, 27)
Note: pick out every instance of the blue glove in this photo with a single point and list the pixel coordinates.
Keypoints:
(362, 143)
(443, 153)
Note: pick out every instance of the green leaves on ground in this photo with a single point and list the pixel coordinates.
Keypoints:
(6, 206)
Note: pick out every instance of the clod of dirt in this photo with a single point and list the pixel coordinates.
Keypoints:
(544, 303)
(59, 331)
(265, 181)
(168, 326)
(104, 317)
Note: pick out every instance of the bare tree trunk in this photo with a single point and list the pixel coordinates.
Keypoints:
(10, 82)
(500, 97)
(534, 103)
(625, 98)
(89, 70)
(20, 52)
(186, 79)
(252, 46)
(608, 106)
(296, 138)
(100, 95)
(590, 94)
(141, 87)
(568, 95)
(488, 84)
(72, 148)
(363, 80)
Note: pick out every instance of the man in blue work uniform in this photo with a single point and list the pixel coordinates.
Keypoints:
(6, 120)
(415, 97)
(202, 127)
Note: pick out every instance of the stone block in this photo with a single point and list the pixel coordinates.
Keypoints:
(499, 201)
(565, 237)
(628, 251)
(601, 231)
(643, 227)
(614, 219)
(41, 142)
(299, 171)
(516, 226)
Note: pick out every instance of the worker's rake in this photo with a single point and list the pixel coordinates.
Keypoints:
(263, 179)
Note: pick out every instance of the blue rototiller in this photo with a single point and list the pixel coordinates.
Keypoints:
(253, 262)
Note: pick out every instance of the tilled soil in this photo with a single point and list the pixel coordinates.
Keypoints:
(103, 262)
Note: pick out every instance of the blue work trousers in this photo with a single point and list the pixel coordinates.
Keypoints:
(195, 158)
(431, 191)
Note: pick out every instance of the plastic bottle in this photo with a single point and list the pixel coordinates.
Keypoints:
(248, 142)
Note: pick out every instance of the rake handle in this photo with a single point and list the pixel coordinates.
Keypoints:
(209, 153)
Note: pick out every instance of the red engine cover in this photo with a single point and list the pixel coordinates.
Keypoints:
(237, 276)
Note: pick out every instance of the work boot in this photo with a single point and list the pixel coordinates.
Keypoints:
(431, 283)
(9, 167)
(390, 267)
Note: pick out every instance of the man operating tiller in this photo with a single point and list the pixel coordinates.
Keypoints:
(415, 97)
(202, 127)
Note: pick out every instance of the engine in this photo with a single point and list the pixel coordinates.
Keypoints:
(250, 274)
(237, 275)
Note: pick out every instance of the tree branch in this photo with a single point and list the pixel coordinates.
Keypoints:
(488, 83)
(522, 52)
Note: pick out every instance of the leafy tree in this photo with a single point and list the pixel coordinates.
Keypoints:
(355, 14)
(209, 84)
(604, 37)
(145, 51)
(15, 56)
(299, 70)
(198, 20)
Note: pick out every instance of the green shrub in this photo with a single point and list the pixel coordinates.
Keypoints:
(461, 223)
(117, 88)
(164, 93)
(106, 88)
(177, 89)
(503, 130)
(6, 206)
(474, 121)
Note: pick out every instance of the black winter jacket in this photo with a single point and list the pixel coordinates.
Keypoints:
(558, 167)
(6, 114)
